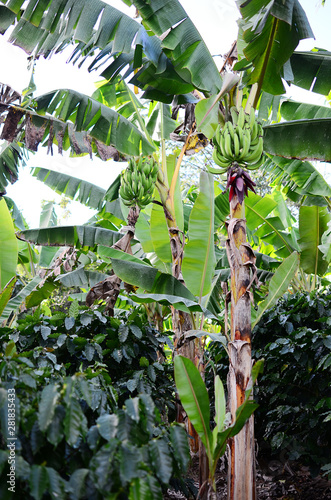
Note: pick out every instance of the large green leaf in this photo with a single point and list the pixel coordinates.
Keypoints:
(279, 284)
(81, 278)
(150, 279)
(79, 236)
(11, 155)
(178, 203)
(199, 256)
(76, 189)
(8, 246)
(15, 303)
(298, 179)
(261, 220)
(182, 44)
(102, 122)
(325, 246)
(270, 33)
(159, 234)
(292, 110)
(302, 139)
(312, 70)
(180, 303)
(194, 398)
(313, 222)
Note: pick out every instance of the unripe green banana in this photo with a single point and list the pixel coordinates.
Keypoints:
(241, 118)
(227, 146)
(236, 146)
(234, 115)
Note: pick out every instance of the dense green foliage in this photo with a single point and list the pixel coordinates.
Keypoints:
(294, 391)
(91, 409)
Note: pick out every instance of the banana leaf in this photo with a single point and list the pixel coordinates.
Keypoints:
(199, 257)
(102, 122)
(300, 139)
(260, 220)
(279, 284)
(8, 246)
(16, 302)
(269, 33)
(312, 70)
(101, 32)
(292, 110)
(300, 180)
(76, 189)
(79, 236)
(11, 157)
(313, 222)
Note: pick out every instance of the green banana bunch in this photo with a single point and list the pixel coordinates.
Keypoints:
(138, 182)
(239, 141)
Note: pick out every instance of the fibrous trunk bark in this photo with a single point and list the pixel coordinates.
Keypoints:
(241, 455)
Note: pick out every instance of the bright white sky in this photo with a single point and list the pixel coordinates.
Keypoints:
(216, 21)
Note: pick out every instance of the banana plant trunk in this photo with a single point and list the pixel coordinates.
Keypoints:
(241, 459)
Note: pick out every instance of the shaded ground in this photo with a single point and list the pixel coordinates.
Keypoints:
(274, 481)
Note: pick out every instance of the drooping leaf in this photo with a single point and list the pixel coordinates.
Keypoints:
(180, 303)
(301, 139)
(313, 222)
(279, 284)
(145, 487)
(56, 484)
(76, 189)
(270, 229)
(299, 179)
(270, 33)
(182, 44)
(79, 236)
(102, 122)
(11, 156)
(150, 279)
(39, 294)
(312, 70)
(82, 278)
(8, 246)
(77, 482)
(199, 257)
(194, 398)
